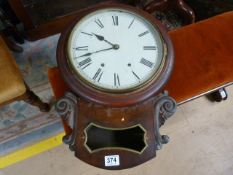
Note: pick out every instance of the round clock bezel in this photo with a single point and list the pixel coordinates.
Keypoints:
(156, 72)
(117, 98)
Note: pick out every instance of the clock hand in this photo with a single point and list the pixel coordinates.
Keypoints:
(103, 50)
(87, 54)
(101, 38)
(90, 53)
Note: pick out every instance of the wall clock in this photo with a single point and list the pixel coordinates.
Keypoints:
(115, 59)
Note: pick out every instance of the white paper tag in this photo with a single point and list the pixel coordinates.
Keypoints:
(112, 160)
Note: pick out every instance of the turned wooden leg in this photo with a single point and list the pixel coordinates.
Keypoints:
(34, 100)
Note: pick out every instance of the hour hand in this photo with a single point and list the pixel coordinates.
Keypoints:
(101, 38)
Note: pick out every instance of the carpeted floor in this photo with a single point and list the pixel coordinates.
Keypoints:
(21, 123)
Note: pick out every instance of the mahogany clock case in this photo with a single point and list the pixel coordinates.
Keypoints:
(110, 99)
(121, 124)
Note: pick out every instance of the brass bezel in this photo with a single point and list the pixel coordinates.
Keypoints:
(150, 80)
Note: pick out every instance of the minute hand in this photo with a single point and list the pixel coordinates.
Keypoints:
(90, 53)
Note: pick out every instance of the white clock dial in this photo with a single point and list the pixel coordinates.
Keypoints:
(114, 49)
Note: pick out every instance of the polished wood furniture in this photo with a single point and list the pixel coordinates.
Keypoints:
(13, 87)
(203, 58)
(42, 18)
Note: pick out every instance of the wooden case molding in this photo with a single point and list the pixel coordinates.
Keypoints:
(115, 100)
(85, 106)
(150, 115)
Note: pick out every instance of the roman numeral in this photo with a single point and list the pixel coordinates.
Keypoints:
(149, 47)
(82, 48)
(146, 62)
(131, 23)
(87, 33)
(98, 75)
(116, 80)
(115, 20)
(136, 75)
(144, 33)
(83, 64)
(99, 23)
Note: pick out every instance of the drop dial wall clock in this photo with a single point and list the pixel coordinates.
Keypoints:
(115, 60)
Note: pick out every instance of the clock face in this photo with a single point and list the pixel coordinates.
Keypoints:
(115, 50)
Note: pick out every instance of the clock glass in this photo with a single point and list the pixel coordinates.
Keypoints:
(115, 50)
